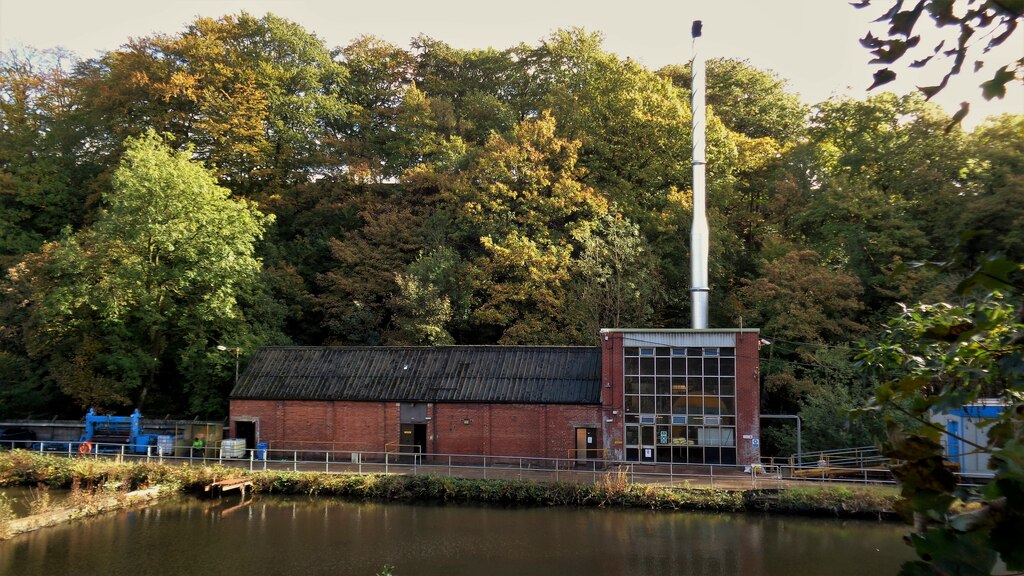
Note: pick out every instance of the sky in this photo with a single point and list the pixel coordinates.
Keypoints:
(810, 43)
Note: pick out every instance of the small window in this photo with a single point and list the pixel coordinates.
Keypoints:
(647, 351)
(711, 351)
(679, 351)
(679, 419)
(647, 419)
(631, 351)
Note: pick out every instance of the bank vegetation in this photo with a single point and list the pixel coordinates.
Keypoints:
(103, 485)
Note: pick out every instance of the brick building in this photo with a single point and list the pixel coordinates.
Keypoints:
(642, 395)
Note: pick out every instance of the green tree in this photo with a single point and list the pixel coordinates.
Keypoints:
(994, 191)
(936, 357)
(38, 192)
(747, 100)
(257, 98)
(523, 198)
(120, 307)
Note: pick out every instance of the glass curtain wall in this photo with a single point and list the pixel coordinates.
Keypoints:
(680, 404)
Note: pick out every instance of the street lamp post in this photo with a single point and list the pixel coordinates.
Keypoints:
(236, 350)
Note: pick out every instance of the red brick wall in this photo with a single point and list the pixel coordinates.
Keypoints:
(539, 430)
(612, 397)
(748, 398)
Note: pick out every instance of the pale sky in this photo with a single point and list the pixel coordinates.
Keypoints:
(811, 43)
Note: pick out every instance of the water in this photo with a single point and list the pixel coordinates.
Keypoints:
(308, 537)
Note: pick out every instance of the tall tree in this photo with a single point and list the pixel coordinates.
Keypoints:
(256, 97)
(119, 307)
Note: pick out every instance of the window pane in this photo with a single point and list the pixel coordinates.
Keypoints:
(711, 351)
(726, 351)
(679, 351)
(728, 405)
(679, 366)
(727, 387)
(728, 366)
(632, 384)
(632, 435)
(663, 366)
(647, 385)
(694, 405)
(664, 435)
(647, 366)
(631, 351)
(663, 351)
(711, 386)
(647, 404)
(647, 435)
(694, 386)
(647, 351)
(663, 385)
(664, 404)
(678, 385)
(679, 405)
(631, 366)
(711, 405)
(711, 366)
(694, 366)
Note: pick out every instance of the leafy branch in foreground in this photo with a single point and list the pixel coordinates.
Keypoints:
(934, 358)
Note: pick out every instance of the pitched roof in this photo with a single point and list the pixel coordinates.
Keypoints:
(495, 374)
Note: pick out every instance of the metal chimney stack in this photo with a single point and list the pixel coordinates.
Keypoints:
(699, 235)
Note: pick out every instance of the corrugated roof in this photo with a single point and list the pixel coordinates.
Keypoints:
(499, 374)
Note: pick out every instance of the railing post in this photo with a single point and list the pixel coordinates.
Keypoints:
(327, 462)
(295, 458)
(149, 452)
(712, 475)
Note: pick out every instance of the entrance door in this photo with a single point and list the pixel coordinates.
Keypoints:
(647, 452)
(413, 442)
(586, 445)
(246, 429)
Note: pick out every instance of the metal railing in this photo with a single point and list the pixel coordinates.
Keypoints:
(767, 474)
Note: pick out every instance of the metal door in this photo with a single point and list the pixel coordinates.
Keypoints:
(647, 452)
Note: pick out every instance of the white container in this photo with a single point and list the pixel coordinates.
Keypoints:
(165, 445)
(232, 448)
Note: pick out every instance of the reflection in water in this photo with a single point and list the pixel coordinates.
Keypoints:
(307, 537)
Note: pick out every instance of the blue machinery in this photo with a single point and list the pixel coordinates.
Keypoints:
(108, 433)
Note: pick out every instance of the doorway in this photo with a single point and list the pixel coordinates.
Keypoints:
(246, 429)
(413, 442)
(586, 445)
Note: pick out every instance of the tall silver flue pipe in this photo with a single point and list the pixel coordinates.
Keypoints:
(699, 235)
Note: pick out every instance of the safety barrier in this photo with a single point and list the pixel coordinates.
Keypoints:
(398, 459)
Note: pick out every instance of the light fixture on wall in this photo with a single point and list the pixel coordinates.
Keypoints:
(609, 420)
(467, 421)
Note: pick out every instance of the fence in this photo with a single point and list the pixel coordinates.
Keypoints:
(401, 459)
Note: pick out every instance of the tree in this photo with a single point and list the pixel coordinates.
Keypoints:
(995, 20)
(39, 195)
(523, 199)
(994, 189)
(258, 98)
(936, 357)
(120, 307)
(748, 101)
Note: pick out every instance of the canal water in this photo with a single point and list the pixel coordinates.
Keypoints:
(309, 537)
